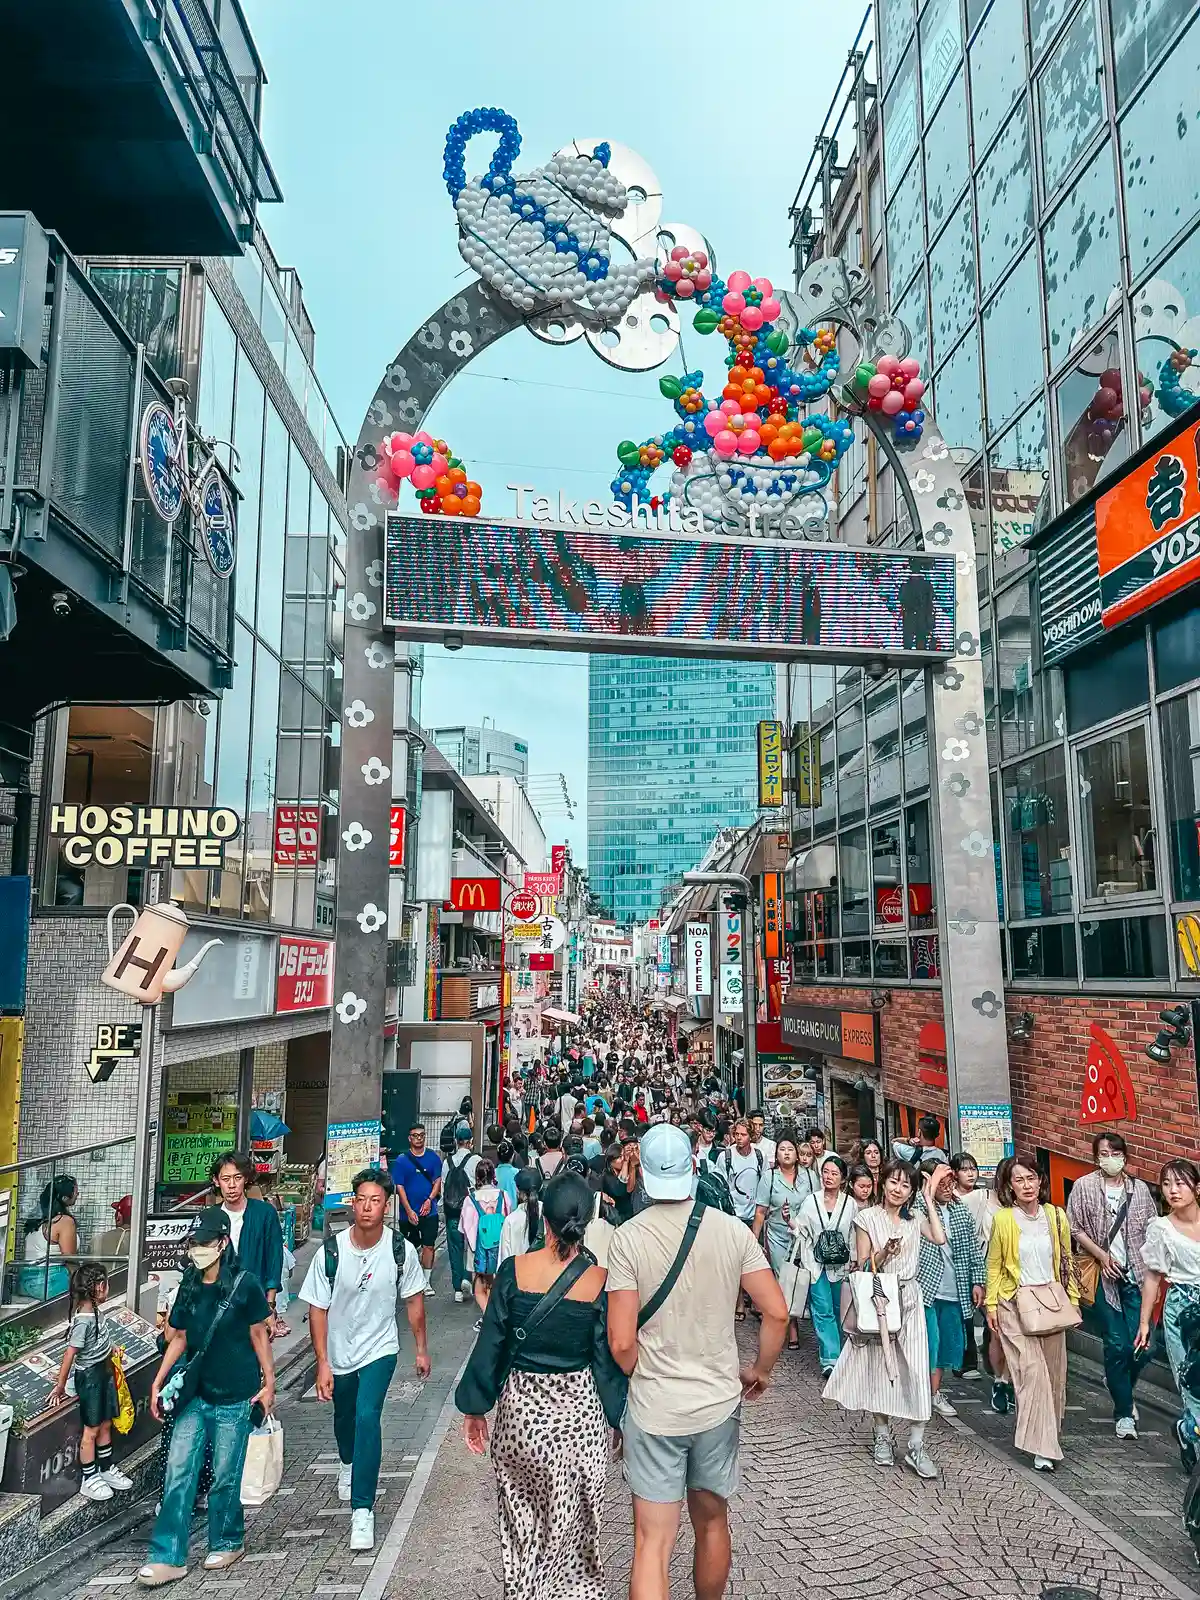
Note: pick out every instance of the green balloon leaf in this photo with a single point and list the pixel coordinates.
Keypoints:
(864, 374)
(777, 342)
(670, 387)
(628, 453)
(706, 320)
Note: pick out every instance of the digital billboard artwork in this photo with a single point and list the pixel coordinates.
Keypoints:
(656, 593)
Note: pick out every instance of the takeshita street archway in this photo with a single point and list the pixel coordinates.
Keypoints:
(747, 455)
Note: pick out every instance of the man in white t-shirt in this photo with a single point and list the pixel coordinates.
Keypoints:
(351, 1291)
(742, 1167)
(758, 1137)
(682, 1421)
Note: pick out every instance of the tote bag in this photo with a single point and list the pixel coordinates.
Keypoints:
(263, 1471)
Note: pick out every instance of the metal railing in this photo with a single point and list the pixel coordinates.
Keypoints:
(78, 418)
(44, 1200)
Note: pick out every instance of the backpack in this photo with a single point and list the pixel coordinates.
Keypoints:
(830, 1248)
(490, 1225)
(729, 1167)
(457, 1185)
(400, 1247)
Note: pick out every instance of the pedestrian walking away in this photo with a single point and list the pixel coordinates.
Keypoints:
(351, 1290)
(482, 1226)
(1032, 1300)
(219, 1321)
(458, 1179)
(417, 1175)
(675, 1274)
(542, 1361)
(1109, 1213)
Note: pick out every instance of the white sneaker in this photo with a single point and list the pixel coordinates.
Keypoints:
(362, 1530)
(95, 1488)
(430, 1290)
(942, 1406)
(459, 1297)
(1043, 1464)
(1126, 1428)
(465, 1286)
(882, 1452)
(921, 1463)
(344, 1473)
(116, 1479)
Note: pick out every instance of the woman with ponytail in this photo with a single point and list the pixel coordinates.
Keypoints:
(542, 1355)
(522, 1228)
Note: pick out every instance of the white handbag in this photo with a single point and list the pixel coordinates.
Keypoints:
(865, 1289)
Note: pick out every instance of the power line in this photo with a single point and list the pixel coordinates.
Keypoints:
(568, 388)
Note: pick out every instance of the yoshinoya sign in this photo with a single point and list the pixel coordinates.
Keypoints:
(143, 836)
(853, 1034)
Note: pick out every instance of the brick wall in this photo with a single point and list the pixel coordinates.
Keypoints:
(1048, 1077)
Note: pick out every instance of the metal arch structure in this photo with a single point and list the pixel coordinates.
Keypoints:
(374, 762)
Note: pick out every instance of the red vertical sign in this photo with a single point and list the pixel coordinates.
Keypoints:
(396, 841)
(558, 858)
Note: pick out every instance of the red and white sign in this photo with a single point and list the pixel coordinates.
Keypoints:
(558, 860)
(304, 975)
(547, 884)
(889, 903)
(396, 841)
(653, 924)
(297, 835)
(475, 894)
(523, 905)
(541, 961)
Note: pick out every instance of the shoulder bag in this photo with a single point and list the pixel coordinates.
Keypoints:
(189, 1374)
(659, 1298)
(1087, 1268)
(870, 1304)
(1046, 1308)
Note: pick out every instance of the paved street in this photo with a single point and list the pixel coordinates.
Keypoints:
(813, 1513)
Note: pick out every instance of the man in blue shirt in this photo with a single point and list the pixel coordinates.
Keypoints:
(418, 1179)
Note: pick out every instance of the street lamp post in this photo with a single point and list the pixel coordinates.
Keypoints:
(742, 885)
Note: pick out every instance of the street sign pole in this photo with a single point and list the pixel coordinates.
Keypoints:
(744, 888)
(501, 1064)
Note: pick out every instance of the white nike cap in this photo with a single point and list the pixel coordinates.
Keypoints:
(667, 1162)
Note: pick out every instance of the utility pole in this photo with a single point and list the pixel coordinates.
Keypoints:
(745, 891)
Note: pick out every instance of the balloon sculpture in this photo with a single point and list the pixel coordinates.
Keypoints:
(755, 446)
(1172, 396)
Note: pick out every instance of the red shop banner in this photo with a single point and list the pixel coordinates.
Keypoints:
(304, 975)
(297, 835)
(396, 840)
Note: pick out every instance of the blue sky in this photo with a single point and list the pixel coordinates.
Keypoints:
(723, 103)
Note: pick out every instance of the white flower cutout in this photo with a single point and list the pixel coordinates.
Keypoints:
(358, 713)
(362, 518)
(935, 450)
(374, 771)
(924, 482)
(356, 837)
(359, 608)
(975, 844)
(350, 1007)
(955, 750)
(377, 656)
(371, 918)
(375, 573)
(378, 414)
(460, 345)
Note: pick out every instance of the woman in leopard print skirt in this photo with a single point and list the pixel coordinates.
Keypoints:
(542, 1359)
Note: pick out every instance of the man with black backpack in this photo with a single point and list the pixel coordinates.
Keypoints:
(675, 1274)
(458, 1179)
(741, 1165)
(351, 1290)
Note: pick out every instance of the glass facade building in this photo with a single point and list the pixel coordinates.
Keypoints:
(671, 759)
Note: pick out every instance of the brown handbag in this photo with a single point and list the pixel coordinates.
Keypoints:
(1046, 1308)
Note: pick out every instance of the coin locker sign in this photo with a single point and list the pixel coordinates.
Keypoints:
(144, 836)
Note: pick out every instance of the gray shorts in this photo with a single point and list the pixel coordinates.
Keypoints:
(663, 1469)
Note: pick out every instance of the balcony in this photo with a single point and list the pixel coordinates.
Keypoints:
(111, 602)
(131, 126)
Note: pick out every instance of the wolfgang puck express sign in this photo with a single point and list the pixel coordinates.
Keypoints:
(144, 836)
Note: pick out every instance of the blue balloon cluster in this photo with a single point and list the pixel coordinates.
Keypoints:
(486, 119)
(1172, 396)
(908, 425)
(422, 454)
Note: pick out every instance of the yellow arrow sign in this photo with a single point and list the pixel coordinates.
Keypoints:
(1187, 936)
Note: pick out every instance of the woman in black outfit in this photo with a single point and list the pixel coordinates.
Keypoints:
(542, 1359)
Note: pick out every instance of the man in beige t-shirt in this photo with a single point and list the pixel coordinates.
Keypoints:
(683, 1415)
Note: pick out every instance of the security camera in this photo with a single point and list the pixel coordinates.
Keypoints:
(453, 641)
(60, 603)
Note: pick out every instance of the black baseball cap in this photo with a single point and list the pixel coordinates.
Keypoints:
(212, 1224)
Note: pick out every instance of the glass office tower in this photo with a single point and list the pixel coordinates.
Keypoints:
(671, 758)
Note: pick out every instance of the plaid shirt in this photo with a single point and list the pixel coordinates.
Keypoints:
(969, 1269)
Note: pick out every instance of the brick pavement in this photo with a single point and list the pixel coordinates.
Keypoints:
(813, 1512)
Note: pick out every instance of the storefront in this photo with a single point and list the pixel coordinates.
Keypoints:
(842, 1048)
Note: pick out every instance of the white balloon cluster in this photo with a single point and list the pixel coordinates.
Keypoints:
(708, 484)
(518, 256)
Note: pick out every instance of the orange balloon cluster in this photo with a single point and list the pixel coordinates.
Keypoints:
(782, 438)
(455, 495)
(747, 385)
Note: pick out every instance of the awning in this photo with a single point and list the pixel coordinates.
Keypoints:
(552, 1014)
(669, 1002)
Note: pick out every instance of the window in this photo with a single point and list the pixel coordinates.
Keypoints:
(1030, 703)
(107, 761)
(233, 758)
(941, 48)
(247, 272)
(1104, 682)
(916, 739)
(274, 323)
(1081, 256)
(887, 906)
(1017, 473)
(997, 69)
(1093, 429)
(854, 881)
(274, 520)
(1045, 952)
(1177, 650)
(1044, 17)
(947, 155)
(146, 301)
(1141, 31)
(895, 30)
(952, 281)
(214, 405)
(1012, 356)
(905, 232)
(1181, 760)
(1115, 816)
(956, 397)
(922, 902)
(852, 775)
(1070, 97)
(1160, 158)
(1160, 309)
(900, 121)
(248, 441)
(883, 741)
(913, 312)
(1038, 841)
(1125, 947)
(1004, 188)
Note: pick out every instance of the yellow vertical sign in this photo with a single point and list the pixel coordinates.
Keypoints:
(770, 763)
(808, 770)
(12, 1035)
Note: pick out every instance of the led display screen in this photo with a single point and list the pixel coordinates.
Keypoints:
(490, 582)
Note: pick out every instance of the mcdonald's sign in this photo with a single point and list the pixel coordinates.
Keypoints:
(475, 894)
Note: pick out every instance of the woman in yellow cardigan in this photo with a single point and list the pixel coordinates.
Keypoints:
(1030, 1246)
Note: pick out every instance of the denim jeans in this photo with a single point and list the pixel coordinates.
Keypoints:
(1179, 1298)
(226, 1428)
(1118, 1330)
(357, 1426)
(822, 1305)
(456, 1249)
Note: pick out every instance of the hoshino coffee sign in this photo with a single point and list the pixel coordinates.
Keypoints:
(144, 836)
